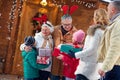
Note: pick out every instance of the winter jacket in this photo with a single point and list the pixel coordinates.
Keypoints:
(30, 67)
(109, 50)
(88, 56)
(57, 65)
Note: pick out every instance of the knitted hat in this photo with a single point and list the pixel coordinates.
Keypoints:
(29, 41)
(79, 36)
(49, 25)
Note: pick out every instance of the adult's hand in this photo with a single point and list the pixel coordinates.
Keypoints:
(101, 73)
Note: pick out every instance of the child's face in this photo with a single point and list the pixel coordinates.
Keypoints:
(73, 40)
(28, 48)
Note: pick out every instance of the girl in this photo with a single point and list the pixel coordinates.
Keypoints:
(70, 64)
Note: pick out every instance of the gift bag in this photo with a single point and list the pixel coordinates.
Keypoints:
(44, 56)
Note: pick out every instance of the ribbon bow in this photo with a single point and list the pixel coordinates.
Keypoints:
(43, 18)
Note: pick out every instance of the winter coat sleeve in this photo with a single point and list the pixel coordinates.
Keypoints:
(57, 36)
(22, 46)
(32, 61)
(113, 52)
(91, 48)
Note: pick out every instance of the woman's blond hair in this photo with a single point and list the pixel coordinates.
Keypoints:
(100, 19)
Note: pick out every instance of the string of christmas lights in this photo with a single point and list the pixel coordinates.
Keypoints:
(86, 4)
(12, 15)
(20, 7)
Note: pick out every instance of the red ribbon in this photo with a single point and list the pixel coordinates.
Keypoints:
(41, 19)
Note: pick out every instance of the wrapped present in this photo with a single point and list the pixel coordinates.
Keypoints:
(66, 48)
(44, 52)
(43, 56)
(43, 59)
(57, 51)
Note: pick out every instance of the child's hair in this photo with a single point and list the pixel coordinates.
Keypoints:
(79, 36)
(29, 41)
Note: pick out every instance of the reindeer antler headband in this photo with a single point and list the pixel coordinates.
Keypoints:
(69, 10)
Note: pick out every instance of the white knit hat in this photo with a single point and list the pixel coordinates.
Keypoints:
(49, 25)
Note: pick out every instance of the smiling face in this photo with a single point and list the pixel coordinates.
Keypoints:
(45, 31)
(67, 24)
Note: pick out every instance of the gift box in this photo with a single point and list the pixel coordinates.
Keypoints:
(43, 56)
(66, 48)
(43, 59)
(57, 51)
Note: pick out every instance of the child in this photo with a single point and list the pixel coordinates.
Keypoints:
(30, 67)
(70, 63)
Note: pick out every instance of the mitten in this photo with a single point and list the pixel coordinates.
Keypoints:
(71, 53)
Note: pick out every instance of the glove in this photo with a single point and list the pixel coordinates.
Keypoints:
(71, 54)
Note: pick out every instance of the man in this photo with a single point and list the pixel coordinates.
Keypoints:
(109, 50)
(62, 34)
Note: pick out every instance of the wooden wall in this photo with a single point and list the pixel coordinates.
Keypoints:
(4, 31)
(22, 27)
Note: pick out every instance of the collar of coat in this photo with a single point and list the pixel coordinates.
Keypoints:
(41, 35)
(115, 18)
(72, 30)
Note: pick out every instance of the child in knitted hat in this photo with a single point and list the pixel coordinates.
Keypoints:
(30, 67)
(70, 63)
(78, 37)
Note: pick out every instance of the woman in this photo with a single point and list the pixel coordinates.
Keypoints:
(86, 69)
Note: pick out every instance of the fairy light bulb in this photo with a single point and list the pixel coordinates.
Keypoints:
(43, 2)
